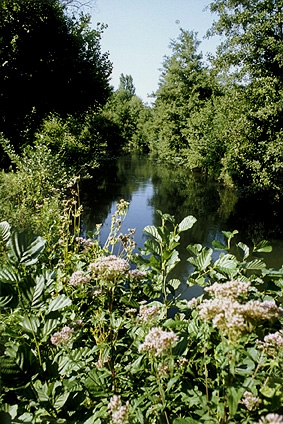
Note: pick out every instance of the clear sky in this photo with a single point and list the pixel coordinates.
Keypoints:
(139, 32)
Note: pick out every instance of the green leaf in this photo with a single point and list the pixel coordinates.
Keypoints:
(186, 223)
(263, 246)
(218, 245)
(5, 231)
(61, 400)
(244, 250)
(40, 284)
(203, 260)
(49, 326)
(30, 324)
(59, 302)
(226, 263)
(174, 259)
(194, 249)
(150, 246)
(153, 232)
(24, 248)
(187, 420)
(234, 396)
(255, 264)
(175, 283)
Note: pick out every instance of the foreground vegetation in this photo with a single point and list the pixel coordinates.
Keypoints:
(83, 326)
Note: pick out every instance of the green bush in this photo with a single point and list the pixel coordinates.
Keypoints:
(94, 341)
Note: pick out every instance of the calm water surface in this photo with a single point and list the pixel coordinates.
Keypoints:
(149, 186)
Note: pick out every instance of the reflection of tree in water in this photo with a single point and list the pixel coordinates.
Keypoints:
(258, 218)
(114, 180)
(179, 192)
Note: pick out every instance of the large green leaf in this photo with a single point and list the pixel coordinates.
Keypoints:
(59, 302)
(226, 263)
(263, 246)
(4, 231)
(187, 223)
(38, 291)
(8, 295)
(30, 324)
(153, 232)
(203, 260)
(24, 248)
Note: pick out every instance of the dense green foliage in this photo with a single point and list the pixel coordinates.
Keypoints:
(131, 116)
(77, 339)
(50, 62)
(226, 118)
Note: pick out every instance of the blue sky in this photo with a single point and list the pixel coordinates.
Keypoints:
(139, 32)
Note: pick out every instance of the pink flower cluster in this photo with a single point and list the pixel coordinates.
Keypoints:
(109, 267)
(271, 419)
(231, 316)
(78, 278)
(117, 411)
(158, 341)
(148, 313)
(62, 337)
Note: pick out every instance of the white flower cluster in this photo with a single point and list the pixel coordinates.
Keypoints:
(271, 419)
(274, 339)
(158, 341)
(85, 242)
(229, 315)
(62, 337)
(109, 267)
(272, 343)
(78, 278)
(136, 274)
(117, 411)
(250, 401)
(148, 313)
(232, 289)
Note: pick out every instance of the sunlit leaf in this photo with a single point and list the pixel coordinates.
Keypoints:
(59, 302)
(153, 232)
(24, 248)
(5, 231)
(255, 264)
(226, 263)
(203, 260)
(244, 250)
(263, 246)
(194, 249)
(187, 223)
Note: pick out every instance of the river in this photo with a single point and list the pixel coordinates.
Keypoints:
(151, 186)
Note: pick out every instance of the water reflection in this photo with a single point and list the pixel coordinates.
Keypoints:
(149, 187)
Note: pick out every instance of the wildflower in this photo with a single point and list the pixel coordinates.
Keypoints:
(109, 267)
(163, 370)
(100, 363)
(136, 274)
(250, 401)
(131, 311)
(158, 341)
(229, 289)
(275, 339)
(62, 337)
(231, 316)
(192, 303)
(78, 278)
(85, 242)
(117, 411)
(271, 419)
(148, 313)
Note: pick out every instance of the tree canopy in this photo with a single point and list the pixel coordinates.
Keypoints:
(50, 62)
